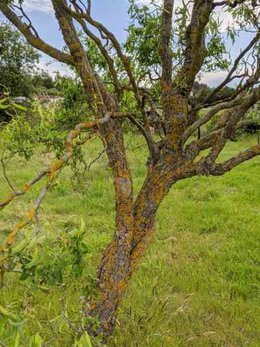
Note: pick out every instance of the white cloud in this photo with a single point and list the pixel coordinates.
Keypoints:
(53, 66)
(39, 6)
(148, 2)
(213, 78)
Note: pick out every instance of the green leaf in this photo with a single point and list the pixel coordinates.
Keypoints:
(36, 341)
(19, 107)
(7, 313)
(84, 341)
(2, 101)
(4, 107)
(17, 340)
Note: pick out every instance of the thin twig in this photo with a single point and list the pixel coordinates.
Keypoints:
(5, 175)
(96, 159)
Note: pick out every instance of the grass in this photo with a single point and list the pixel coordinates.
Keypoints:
(199, 282)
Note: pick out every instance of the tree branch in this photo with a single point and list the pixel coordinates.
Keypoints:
(103, 51)
(229, 164)
(233, 69)
(56, 166)
(208, 116)
(165, 45)
(195, 51)
(227, 125)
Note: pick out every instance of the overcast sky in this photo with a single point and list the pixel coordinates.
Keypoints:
(112, 13)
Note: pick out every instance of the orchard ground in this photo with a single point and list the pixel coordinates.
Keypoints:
(198, 285)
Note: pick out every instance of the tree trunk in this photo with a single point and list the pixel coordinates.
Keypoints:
(124, 254)
(114, 268)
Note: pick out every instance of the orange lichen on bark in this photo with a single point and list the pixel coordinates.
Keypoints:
(121, 285)
(31, 213)
(26, 187)
(55, 167)
(11, 237)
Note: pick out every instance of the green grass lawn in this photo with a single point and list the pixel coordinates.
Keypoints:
(199, 282)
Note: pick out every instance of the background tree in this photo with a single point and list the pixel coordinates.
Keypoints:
(18, 59)
(189, 43)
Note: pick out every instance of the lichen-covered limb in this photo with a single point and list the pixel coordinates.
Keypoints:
(165, 45)
(114, 267)
(195, 35)
(84, 18)
(154, 190)
(175, 99)
(24, 189)
(101, 47)
(227, 125)
(69, 147)
(31, 214)
(231, 163)
(51, 172)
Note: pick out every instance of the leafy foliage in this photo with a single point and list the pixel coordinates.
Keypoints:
(17, 61)
(8, 108)
(50, 264)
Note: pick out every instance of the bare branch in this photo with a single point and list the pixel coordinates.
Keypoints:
(233, 69)
(208, 116)
(231, 163)
(228, 3)
(5, 175)
(165, 43)
(103, 51)
(96, 159)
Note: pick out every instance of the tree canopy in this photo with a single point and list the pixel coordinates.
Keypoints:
(18, 59)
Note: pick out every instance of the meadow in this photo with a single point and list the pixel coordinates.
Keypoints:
(198, 285)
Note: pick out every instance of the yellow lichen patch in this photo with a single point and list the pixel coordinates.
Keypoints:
(121, 285)
(55, 167)
(74, 133)
(31, 213)
(26, 187)
(11, 237)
